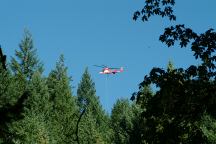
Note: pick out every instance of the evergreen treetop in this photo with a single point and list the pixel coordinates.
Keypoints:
(26, 61)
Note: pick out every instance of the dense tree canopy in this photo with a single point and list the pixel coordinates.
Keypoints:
(178, 111)
(125, 122)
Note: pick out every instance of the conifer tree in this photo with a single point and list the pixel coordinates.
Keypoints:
(27, 71)
(63, 103)
(11, 101)
(34, 127)
(122, 116)
(86, 93)
(39, 102)
(5, 81)
(26, 61)
(94, 126)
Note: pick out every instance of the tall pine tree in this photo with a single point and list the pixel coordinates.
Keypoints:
(63, 104)
(26, 61)
(11, 102)
(27, 70)
(94, 125)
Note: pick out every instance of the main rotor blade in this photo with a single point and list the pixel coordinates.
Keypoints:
(114, 68)
(102, 66)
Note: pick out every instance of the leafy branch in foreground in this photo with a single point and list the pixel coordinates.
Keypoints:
(161, 8)
(185, 100)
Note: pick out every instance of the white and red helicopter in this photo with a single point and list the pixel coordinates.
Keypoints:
(109, 70)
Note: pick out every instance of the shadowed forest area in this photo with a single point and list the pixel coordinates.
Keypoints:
(44, 110)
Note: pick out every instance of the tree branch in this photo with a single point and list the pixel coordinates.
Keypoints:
(77, 126)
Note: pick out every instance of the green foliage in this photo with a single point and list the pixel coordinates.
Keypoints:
(38, 102)
(63, 104)
(32, 129)
(124, 121)
(26, 61)
(121, 119)
(184, 103)
(11, 102)
(93, 126)
(34, 126)
(177, 106)
(24, 99)
(145, 94)
(170, 66)
(88, 131)
(36, 109)
(86, 92)
(87, 99)
(208, 126)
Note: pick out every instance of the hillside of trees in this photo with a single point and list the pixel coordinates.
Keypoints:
(38, 109)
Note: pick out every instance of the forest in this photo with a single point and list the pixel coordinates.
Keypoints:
(38, 109)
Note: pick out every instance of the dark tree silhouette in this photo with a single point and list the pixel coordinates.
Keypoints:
(10, 112)
(174, 113)
(2, 59)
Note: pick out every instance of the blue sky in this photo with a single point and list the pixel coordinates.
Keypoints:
(101, 32)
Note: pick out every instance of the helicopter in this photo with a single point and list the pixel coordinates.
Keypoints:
(109, 70)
